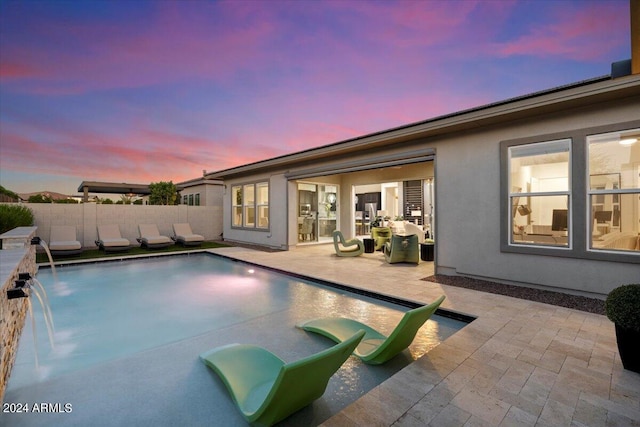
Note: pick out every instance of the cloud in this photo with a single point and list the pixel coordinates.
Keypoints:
(144, 91)
(581, 34)
(210, 41)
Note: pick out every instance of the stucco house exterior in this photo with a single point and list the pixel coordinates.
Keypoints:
(200, 192)
(541, 190)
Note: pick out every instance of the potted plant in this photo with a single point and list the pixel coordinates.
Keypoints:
(623, 308)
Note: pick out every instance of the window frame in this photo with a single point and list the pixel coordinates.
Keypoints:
(246, 206)
(614, 193)
(568, 193)
(580, 209)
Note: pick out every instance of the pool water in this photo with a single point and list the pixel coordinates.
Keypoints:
(125, 317)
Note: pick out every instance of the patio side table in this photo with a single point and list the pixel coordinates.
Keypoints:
(369, 245)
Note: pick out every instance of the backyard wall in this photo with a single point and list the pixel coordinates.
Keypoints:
(204, 220)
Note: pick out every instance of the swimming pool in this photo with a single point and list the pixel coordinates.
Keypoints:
(128, 336)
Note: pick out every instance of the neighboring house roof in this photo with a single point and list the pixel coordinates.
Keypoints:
(116, 188)
(599, 89)
(199, 181)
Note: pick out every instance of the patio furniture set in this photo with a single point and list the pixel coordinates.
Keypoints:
(404, 244)
(63, 239)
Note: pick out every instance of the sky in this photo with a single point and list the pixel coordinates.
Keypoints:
(147, 91)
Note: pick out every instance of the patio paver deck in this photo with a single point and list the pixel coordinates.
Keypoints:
(520, 363)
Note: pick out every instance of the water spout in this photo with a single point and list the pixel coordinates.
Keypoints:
(38, 241)
(35, 337)
(23, 288)
(46, 306)
(47, 319)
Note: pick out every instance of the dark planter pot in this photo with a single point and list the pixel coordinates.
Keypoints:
(629, 348)
(427, 251)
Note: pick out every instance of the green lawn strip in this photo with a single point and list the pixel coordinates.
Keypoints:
(41, 257)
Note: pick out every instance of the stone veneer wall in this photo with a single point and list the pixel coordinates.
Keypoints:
(13, 312)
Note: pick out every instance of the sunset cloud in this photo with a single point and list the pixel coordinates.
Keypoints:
(160, 90)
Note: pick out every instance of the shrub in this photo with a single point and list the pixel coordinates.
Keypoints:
(12, 216)
(623, 306)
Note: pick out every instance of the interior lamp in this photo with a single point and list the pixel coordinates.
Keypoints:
(628, 141)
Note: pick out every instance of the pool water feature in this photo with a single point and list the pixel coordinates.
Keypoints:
(129, 333)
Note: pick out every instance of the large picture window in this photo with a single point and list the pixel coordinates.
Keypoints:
(573, 194)
(614, 190)
(250, 205)
(540, 193)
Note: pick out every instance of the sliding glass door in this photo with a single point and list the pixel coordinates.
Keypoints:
(317, 212)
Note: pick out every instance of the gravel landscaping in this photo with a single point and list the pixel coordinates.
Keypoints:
(591, 305)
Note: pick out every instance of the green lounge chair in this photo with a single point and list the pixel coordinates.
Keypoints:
(351, 247)
(265, 388)
(402, 249)
(375, 348)
(381, 235)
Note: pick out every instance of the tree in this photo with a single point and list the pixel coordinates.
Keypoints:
(163, 193)
(40, 198)
(10, 195)
(12, 216)
(125, 199)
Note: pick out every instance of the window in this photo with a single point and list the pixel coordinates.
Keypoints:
(540, 194)
(236, 206)
(190, 199)
(262, 202)
(196, 199)
(185, 200)
(613, 191)
(573, 194)
(250, 205)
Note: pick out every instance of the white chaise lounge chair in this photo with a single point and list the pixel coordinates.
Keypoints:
(110, 239)
(183, 235)
(151, 238)
(63, 240)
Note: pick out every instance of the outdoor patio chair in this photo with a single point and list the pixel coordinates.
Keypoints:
(110, 240)
(351, 247)
(375, 348)
(63, 240)
(151, 238)
(183, 235)
(381, 235)
(402, 249)
(265, 388)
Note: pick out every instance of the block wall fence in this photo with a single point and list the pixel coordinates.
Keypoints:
(204, 220)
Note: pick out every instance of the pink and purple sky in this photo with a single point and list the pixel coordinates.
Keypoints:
(146, 91)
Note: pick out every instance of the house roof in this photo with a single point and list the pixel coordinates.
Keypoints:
(199, 181)
(599, 89)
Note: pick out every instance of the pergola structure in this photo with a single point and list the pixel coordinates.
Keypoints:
(113, 188)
